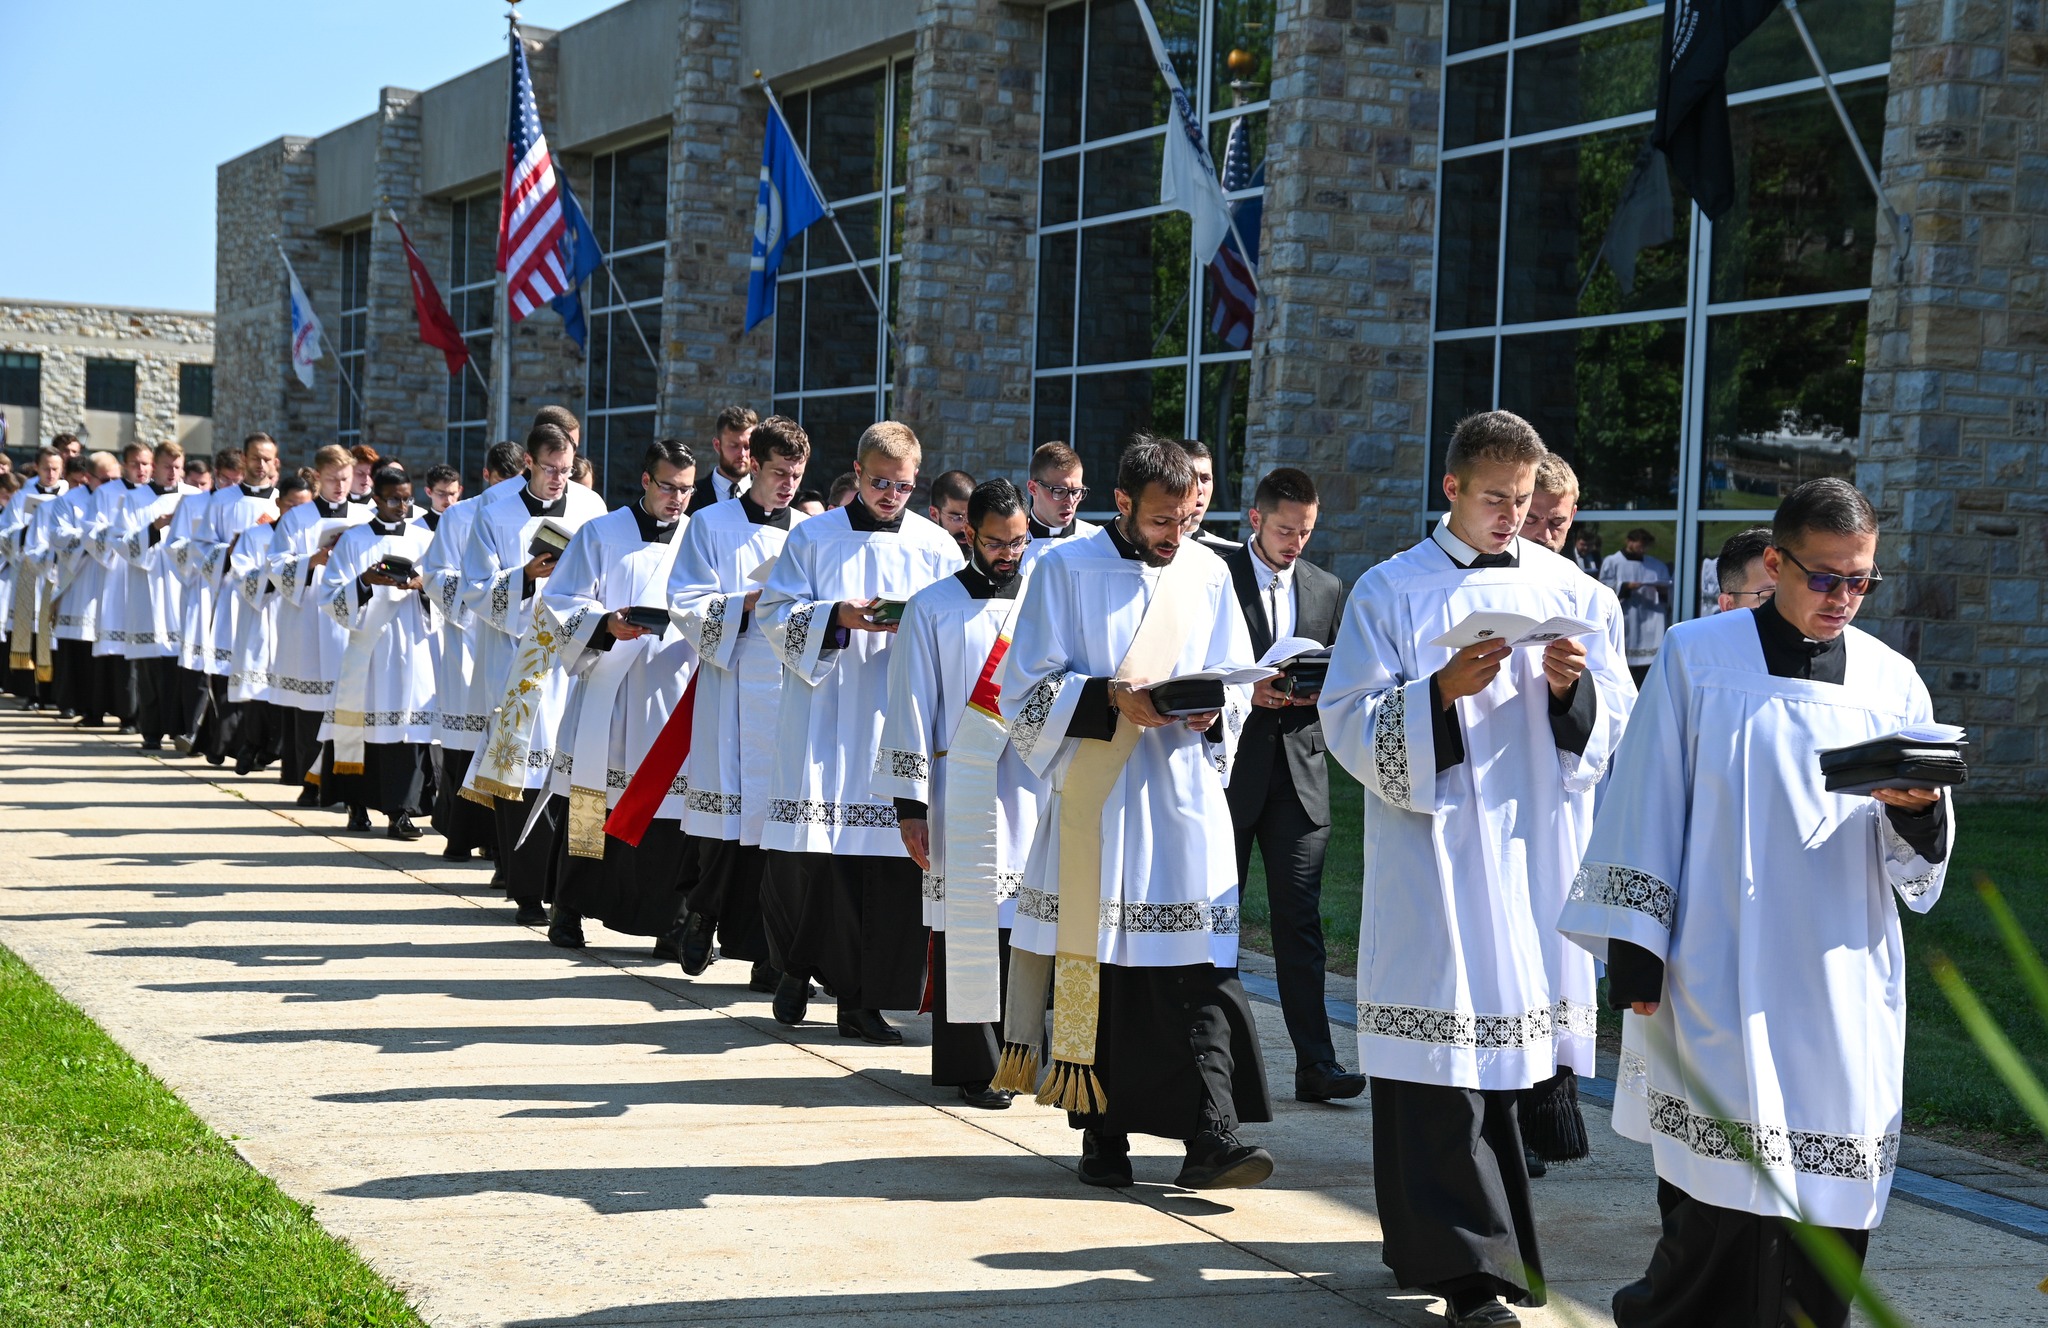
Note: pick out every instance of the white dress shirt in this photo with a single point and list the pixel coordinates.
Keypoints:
(1276, 592)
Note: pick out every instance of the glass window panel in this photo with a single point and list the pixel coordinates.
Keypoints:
(1712, 536)
(1246, 26)
(1804, 220)
(633, 374)
(1134, 282)
(1468, 248)
(110, 385)
(1849, 33)
(1254, 146)
(1059, 191)
(899, 169)
(835, 424)
(639, 276)
(597, 367)
(1543, 15)
(1052, 410)
(1056, 298)
(1125, 91)
(641, 212)
(898, 209)
(863, 225)
(1475, 101)
(21, 379)
(1123, 178)
(895, 278)
(1110, 407)
(1784, 392)
(789, 336)
(1590, 77)
(1593, 541)
(1461, 382)
(626, 439)
(1475, 23)
(480, 261)
(1065, 34)
(195, 389)
(839, 333)
(846, 149)
(1561, 198)
(1226, 397)
(1606, 399)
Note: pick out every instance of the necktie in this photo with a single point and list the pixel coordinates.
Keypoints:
(1273, 606)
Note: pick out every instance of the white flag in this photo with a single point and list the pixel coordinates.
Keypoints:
(305, 326)
(1187, 178)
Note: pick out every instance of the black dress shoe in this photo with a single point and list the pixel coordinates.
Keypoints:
(792, 999)
(531, 913)
(1217, 1161)
(183, 744)
(986, 1098)
(92, 723)
(1105, 1159)
(454, 854)
(152, 746)
(667, 946)
(1326, 1081)
(764, 977)
(216, 760)
(359, 818)
(487, 852)
(126, 730)
(402, 828)
(309, 796)
(868, 1026)
(1480, 1312)
(1536, 1165)
(67, 713)
(695, 942)
(566, 930)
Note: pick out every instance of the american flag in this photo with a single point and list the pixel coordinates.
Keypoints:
(530, 225)
(1230, 276)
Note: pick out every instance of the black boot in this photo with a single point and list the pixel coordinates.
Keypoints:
(532, 913)
(695, 942)
(1105, 1159)
(566, 929)
(359, 818)
(868, 1026)
(1217, 1161)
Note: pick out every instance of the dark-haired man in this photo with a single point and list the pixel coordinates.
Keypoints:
(1742, 578)
(1642, 582)
(31, 654)
(627, 681)
(713, 593)
(1056, 491)
(966, 804)
(947, 506)
(152, 605)
(57, 545)
(259, 731)
(309, 642)
(1477, 763)
(727, 476)
(444, 490)
(1130, 893)
(561, 417)
(1279, 786)
(1204, 462)
(1749, 921)
(522, 690)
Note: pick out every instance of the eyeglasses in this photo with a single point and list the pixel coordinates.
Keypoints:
(1826, 583)
(994, 547)
(1061, 493)
(1761, 595)
(880, 485)
(555, 472)
(673, 490)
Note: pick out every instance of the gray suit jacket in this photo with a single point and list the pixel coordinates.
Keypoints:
(1294, 734)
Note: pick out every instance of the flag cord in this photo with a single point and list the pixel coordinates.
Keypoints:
(1902, 229)
(631, 317)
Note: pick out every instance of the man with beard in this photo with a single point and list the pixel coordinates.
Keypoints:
(1129, 905)
(727, 476)
(966, 804)
(309, 642)
(947, 506)
(842, 896)
(714, 591)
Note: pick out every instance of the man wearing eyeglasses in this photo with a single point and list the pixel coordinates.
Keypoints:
(966, 804)
(1742, 577)
(841, 901)
(1056, 494)
(1748, 921)
(501, 574)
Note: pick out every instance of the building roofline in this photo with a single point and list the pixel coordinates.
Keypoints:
(14, 302)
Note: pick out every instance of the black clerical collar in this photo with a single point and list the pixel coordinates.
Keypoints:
(432, 521)
(535, 507)
(1039, 530)
(861, 517)
(1789, 653)
(359, 497)
(48, 492)
(779, 518)
(267, 491)
(653, 531)
(161, 489)
(1467, 558)
(979, 584)
(130, 483)
(1124, 548)
(387, 527)
(325, 508)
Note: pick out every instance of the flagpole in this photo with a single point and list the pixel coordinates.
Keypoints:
(1901, 228)
(502, 361)
(631, 317)
(873, 297)
(339, 367)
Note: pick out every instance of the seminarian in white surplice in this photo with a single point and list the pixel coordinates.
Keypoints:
(1749, 920)
(1475, 761)
(1129, 905)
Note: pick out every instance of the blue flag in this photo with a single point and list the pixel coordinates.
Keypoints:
(785, 205)
(581, 257)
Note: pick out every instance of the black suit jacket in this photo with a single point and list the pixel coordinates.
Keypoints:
(1294, 734)
(705, 494)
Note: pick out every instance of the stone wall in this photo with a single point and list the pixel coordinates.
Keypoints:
(65, 336)
(1956, 389)
(404, 381)
(1340, 379)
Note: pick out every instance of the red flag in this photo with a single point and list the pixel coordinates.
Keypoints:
(658, 770)
(437, 328)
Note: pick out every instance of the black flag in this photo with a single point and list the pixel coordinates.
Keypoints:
(1641, 220)
(1692, 94)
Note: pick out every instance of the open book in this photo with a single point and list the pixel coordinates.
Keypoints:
(549, 540)
(1513, 628)
(333, 528)
(764, 569)
(1202, 691)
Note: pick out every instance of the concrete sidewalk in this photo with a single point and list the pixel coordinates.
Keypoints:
(519, 1135)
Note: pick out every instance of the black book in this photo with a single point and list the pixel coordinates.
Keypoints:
(647, 616)
(1899, 761)
(396, 566)
(548, 541)
(1188, 696)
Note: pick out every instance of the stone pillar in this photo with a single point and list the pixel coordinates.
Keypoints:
(265, 193)
(966, 309)
(1954, 419)
(1340, 354)
(714, 148)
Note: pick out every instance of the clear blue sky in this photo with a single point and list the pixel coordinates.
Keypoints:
(115, 113)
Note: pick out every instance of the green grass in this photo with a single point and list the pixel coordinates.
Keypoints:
(1949, 1087)
(119, 1209)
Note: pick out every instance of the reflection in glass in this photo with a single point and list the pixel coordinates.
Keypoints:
(839, 332)
(639, 276)
(1052, 410)
(638, 211)
(1110, 407)
(1804, 220)
(626, 438)
(1561, 198)
(1226, 397)
(1475, 101)
(1533, 16)
(1461, 382)
(1123, 178)
(1134, 282)
(1607, 400)
(1468, 247)
(1254, 138)
(1609, 72)
(1241, 25)
(1475, 23)
(1056, 299)
(1124, 88)
(1849, 33)
(789, 334)
(846, 142)
(835, 424)
(1784, 394)
(899, 168)
(1059, 191)
(1065, 33)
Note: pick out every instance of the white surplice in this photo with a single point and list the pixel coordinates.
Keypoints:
(231, 515)
(309, 642)
(459, 703)
(941, 650)
(57, 542)
(154, 599)
(28, 582)
(1771, 902)
(1465, 868)
(618, 698)
(1169, 862)
(739, 679)
(1041, 545)
(830, 722)
(105, 529)
(255, 623)
(387, 628)
(1646, 611)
